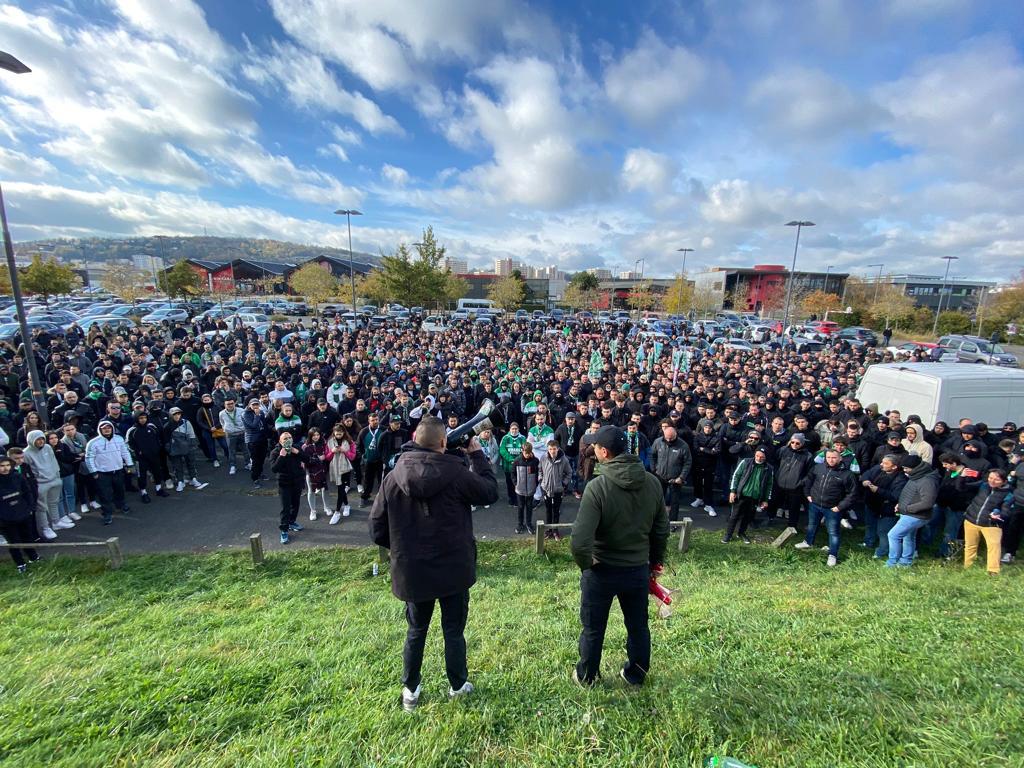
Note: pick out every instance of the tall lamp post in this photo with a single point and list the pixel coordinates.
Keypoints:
(878, 279)
(942, 292)
(11, 64)
(348, 214)
(682, 275)
(792, 272)
(828, 271)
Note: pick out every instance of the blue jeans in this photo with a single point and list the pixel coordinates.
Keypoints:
(870, 528)
(574, 467)
(903, 540)
(885, 525)
(815, 514)
(67, 495)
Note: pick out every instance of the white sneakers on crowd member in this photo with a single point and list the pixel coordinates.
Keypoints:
(216, 464)
(3, 540)
(179, 487)
(711, 511)
(232, 470)
(346, 510)
(846, 524)
(1006, 559)
(359, 488)
(410, 699)
(312, 514)
(335, 518)
(74, 516)
(66, 519)
(63, 524)
(802, 545)
(832, 561)
(465, 690)
(94, 504)
(697, 503)
(49, 534)
(85, 509)
(248, 466)
(197, 485)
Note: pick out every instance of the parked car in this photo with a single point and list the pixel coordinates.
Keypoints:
(11, 332)
(169, 315)
(824, 327)
(116, 322)
(369, 309)
(740, 345)
(804, 344)
(758, 334)
(460, 315)
(856, 336)
(248, 319)
(433, 324)
(332, 310)
(974, 349)
(907, 348)
(522, 315)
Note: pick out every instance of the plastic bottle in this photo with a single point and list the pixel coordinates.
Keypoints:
(725, 762)
(376, 569)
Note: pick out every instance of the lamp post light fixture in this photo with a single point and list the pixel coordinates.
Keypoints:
(792, 272)
(942, 292)
(682, 275)
(11, 64)
(348, 214)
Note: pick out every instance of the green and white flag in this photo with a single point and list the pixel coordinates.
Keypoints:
(596, 365)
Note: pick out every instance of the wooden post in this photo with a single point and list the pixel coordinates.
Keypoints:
(541, 526)
(785, 536)
(256, 546)
(684, 534)
(114, 547)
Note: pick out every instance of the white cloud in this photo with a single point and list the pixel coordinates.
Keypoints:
(18, 164)
(180, 21)
(333, 150)
(653, 80)
(397, 176)
(345, 136)
(309, 85)
(647, 170)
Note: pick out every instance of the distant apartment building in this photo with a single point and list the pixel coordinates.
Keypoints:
(146, 263)
(505, 267)
(456, 266)
(600, 273)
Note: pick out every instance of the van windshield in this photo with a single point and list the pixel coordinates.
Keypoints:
(986, 347)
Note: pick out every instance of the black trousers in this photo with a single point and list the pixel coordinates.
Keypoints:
(510, 486)
(552, 508)
(149, 466)
(372, 472)
(598, 587)
(258, 452)
(290, 495)
(343, 491)
(110, 486)
(792, 501)
(20, 532)
(454, 614)
(743, 513)
(1013, 531)
(704, 482)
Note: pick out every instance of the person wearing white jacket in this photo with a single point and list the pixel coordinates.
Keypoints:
(107, 459)
(40, 456)
(234, 432)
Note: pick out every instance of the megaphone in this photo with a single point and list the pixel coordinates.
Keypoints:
(488, 417)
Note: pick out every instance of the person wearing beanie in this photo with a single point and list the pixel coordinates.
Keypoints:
(750, 489)
(794, 463)
(914, 509)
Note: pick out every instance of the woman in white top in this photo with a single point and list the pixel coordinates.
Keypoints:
(915, 443)
(340, 451)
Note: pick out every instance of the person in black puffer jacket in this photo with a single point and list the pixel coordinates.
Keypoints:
(17, 522)
(954, 495)
(707, 448)
(882, 485)
(984, 518)
(1015, 524)
(289, 464)
(794, 464)
(914, 508)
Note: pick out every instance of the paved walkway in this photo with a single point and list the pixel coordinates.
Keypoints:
(224, 514)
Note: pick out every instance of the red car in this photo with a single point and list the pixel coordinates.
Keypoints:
(824, 327)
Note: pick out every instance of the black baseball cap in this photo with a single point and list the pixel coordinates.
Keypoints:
(611, 438)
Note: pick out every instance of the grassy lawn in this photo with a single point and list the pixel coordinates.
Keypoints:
(769, 657)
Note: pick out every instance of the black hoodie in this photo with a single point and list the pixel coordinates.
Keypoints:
(14, 498)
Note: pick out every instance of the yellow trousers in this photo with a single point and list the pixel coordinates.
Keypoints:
(993, 541)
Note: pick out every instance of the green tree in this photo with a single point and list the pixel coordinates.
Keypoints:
(641, 297)
(893, 307)
(1004, 307)
(679, 297)
(417, 278)
(5, 282)
(953, 322)
(585, 281)
(507, 293)
(455, 288)
(48, 277)
(371, 287)
(126, 283)
(181, 281)
(819, 302)
(314, 283)
(578, 298)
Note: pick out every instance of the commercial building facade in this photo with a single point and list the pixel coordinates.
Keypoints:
(925, 290)
(762, 288)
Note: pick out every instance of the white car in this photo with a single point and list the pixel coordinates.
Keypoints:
(161, 315)
(759, 334)
(433, 324)
(739, 345)
(248, 319)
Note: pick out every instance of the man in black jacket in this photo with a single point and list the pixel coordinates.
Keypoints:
(289, 464)
(831, 490)
(794, 464)
(422, 515)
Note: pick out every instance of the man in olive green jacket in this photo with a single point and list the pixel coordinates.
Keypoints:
(620, 533)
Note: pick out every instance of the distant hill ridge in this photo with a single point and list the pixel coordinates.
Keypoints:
(172, 248)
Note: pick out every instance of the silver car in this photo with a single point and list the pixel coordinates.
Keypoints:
(973, 349)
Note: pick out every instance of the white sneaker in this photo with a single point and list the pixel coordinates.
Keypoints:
(74, 516)
(801, 545)
(853, 514)
(85, 509)
(359, 489)
(824, 548)
(335, 518)
(832, 561)
(1006, 559)
(346, 510)
(49, 534)
(94, 504)
(216, 464)
(66, 519)
(197, 485)
(248, 466)
(62, 525)
(232, 471)
(410, 699)
(465, 690)
(3, 540)
(697, 503)
(179, 487)
(312, 514)
(711, 511)
(846, 524)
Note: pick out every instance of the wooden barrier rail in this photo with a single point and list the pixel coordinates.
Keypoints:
(685, 525)
(112, 544)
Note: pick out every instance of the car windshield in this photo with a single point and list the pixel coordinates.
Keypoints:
(986, 347)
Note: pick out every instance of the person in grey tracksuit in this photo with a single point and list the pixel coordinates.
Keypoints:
(40, 456)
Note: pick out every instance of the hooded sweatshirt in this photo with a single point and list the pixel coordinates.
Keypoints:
(42, 460)
(622, 520)
(107, 454)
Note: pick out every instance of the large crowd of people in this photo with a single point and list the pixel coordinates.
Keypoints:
(772, 434)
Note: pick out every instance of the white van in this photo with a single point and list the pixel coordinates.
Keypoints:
(473, 306)
(433, 324)
(946, 391)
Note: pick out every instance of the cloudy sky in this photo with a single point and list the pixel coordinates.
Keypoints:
(579, 133)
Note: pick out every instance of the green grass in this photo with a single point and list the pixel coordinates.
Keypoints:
(769, 657)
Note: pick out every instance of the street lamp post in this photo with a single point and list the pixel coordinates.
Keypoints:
(828, 271)
(942, 292)
(792, 272)
(348, 214)
(11, 64)
(682, 275)
(878, 279)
